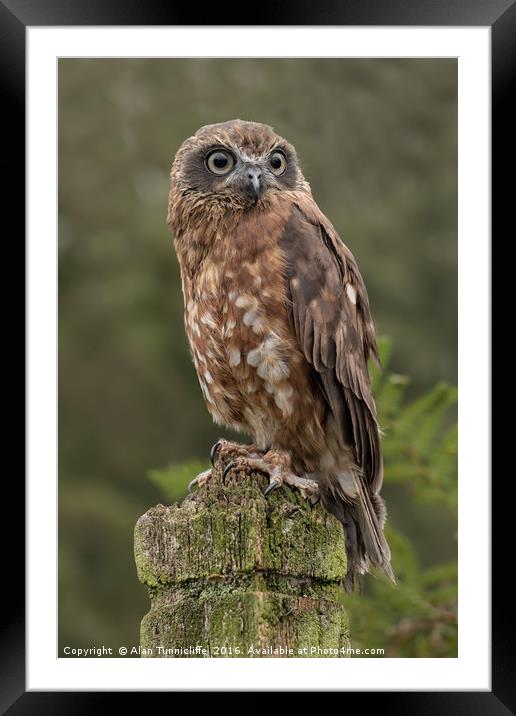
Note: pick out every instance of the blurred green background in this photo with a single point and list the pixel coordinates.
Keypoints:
(377, 140)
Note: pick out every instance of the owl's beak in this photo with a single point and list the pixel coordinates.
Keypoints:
(254, 183)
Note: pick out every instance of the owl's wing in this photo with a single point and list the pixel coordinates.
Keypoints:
(329, 312)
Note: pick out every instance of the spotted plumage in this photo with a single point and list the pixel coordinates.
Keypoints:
(278, 320)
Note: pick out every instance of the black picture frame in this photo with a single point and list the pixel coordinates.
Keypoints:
(500, 15)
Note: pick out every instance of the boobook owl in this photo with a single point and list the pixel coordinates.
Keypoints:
(279, 326)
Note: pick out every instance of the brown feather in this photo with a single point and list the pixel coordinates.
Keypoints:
(331, 335)
(278, 321)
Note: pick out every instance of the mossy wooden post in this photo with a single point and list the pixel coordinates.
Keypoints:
(231, 573)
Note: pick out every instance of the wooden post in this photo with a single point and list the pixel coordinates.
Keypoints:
(233, 574)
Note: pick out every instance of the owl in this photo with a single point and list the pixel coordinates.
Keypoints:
(280, 330)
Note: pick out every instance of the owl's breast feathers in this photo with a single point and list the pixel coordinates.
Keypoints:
(278, 321)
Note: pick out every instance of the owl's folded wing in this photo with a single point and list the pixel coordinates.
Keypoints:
(329, 313)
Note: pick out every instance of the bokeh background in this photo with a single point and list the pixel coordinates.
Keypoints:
(378, 142)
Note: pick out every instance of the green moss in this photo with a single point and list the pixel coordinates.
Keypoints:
(233, 571)
(230, 624)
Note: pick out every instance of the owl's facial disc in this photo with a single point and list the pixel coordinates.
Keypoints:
(249, 177)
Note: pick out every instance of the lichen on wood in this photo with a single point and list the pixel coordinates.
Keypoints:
(234, 574)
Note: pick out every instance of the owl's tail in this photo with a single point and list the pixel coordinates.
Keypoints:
(363, 519)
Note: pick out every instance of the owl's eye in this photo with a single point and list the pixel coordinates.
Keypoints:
(220, 162)
(277, 163)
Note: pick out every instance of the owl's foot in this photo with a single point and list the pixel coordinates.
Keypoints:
(227, 452)
(201, 479)
(276, 467)
(308, 488)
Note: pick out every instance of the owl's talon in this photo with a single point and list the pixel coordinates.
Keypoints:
(228, 467)
(214, 452)
(198, 481)
(273, 485)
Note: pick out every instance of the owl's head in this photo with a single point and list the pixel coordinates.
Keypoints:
(234, 165)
